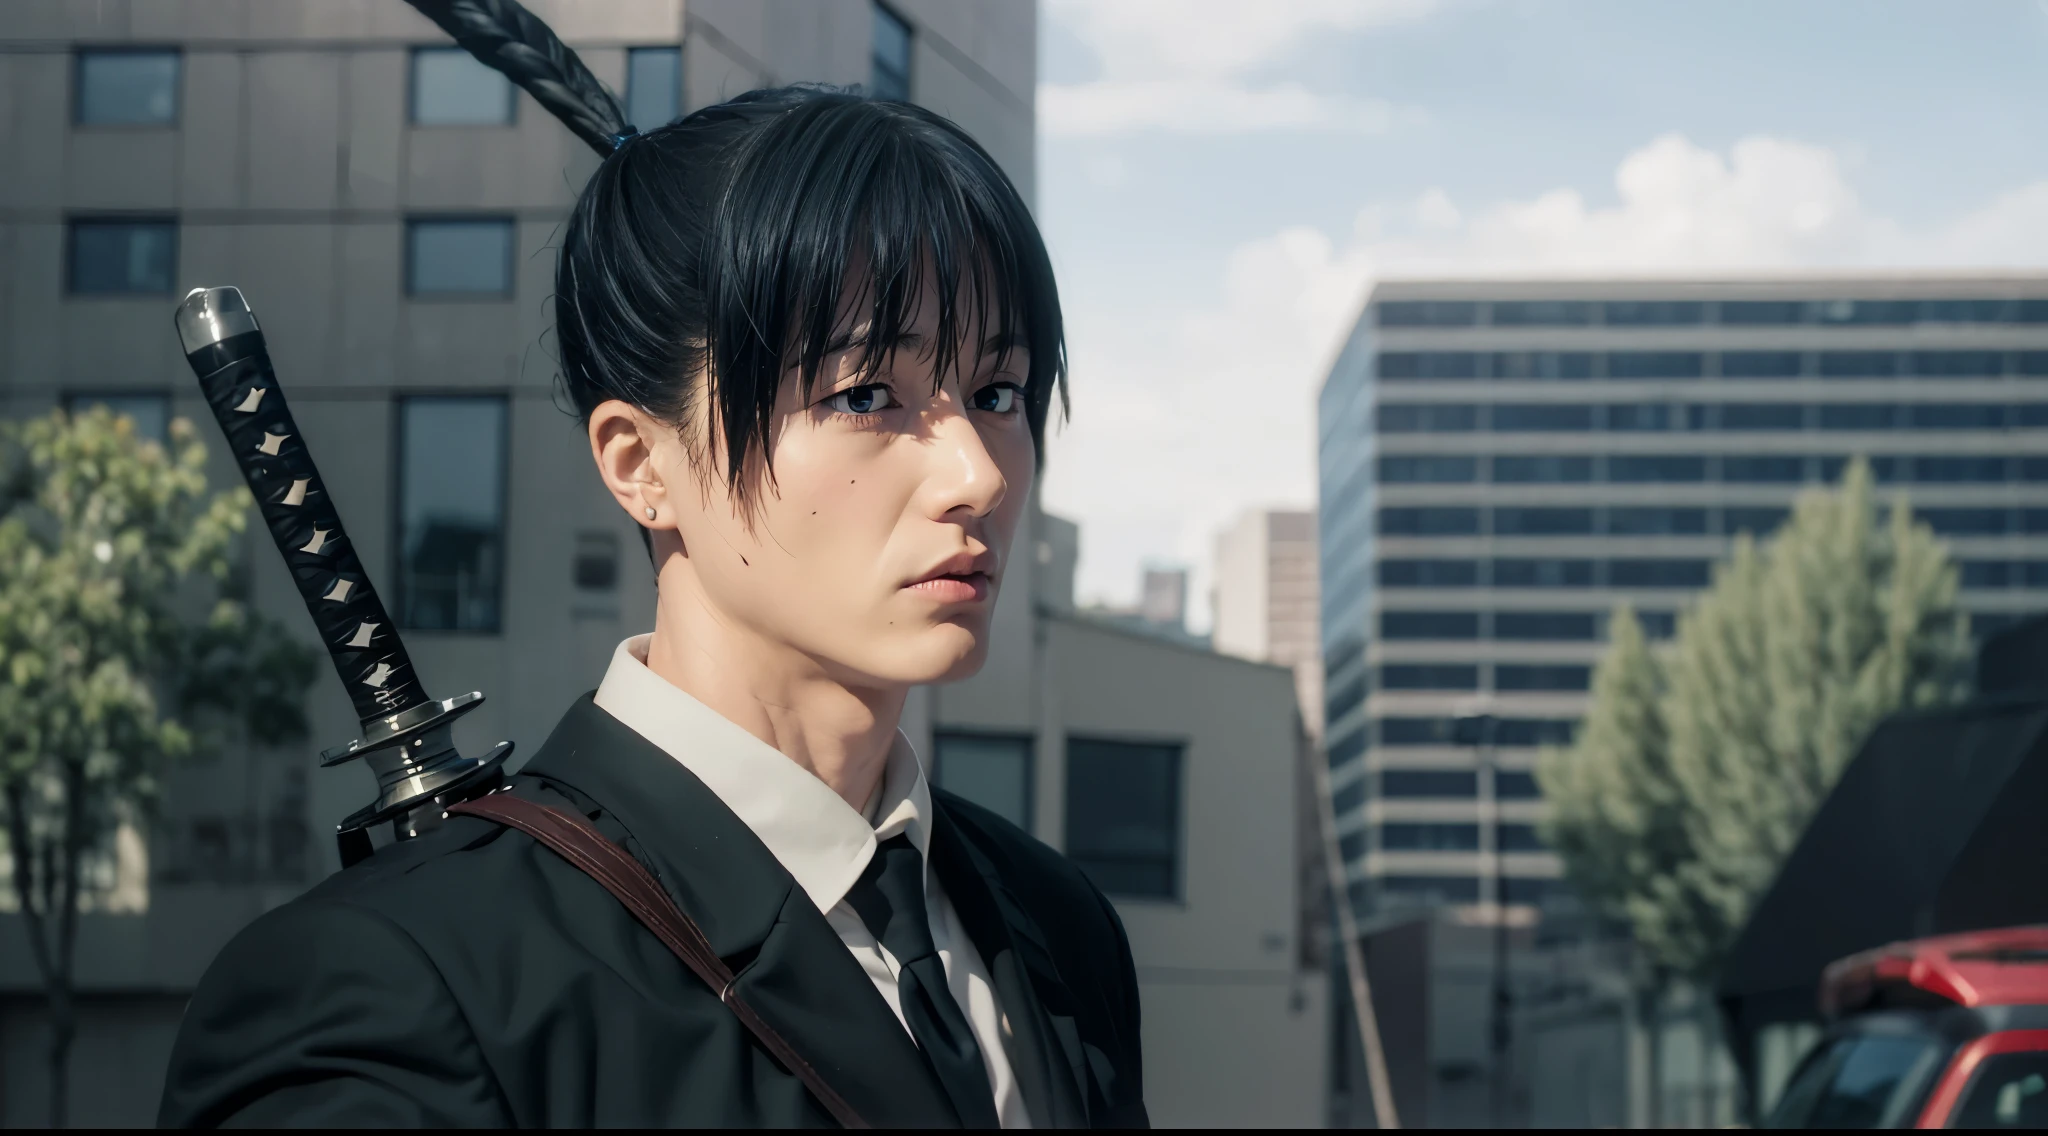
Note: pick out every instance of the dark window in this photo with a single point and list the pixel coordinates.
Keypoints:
(470, 256)
(1655, 520)
(1656, 467)
(1858, 416)
(1958, 364)
(596, 564)
(126, 87)
(1530, 732)
(123, 256)
(1429, 573)
(1955, 416)
(1763, 416)
(2031, 362)
(1429, 365)
(1426, 313)
(1518, 784)
(1541, 520)
(1446, 783)
(1882, 470)
(1652, 573)
(1866, 312)
(1984, 624)
(1541, 313)
(1967, 522)
(1550, 573)
(1653, 313)
(1631, 416)
(1349, 747)
(1429, 676)
(991, 770)
(1772, 469)
(1540, 676)
(654, 86)
(1756, 520)
(1528, 891)
(2031, 311)
(2009, 1090)
(1543, 365)
(1967, 311)
(1751, 312)
(889, 77)
(451, 513)
(1542, 468)
(1414, 731)
(1411, 836)
(150, 413)
(1440, 520)
(1858, 364)
(1655, 365)
(1958, 469)
(1426, 417)
(1536, 626)
(2033, 573)
(1518, 417)
(1348, 798)
(1761, 364)
(1343, 653)
(1658, 624)
(1344, 699)
(2034, 469)
(451, 88)
(1985, 573)
(1429, 625)
(1404, 469)
(1351, 847)
(2029, 415)
(1519, 838)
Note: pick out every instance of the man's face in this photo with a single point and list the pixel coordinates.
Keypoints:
(877, 547)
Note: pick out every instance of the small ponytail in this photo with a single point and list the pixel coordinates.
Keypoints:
(508, 38)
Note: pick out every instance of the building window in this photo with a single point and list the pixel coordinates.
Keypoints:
(1638, 468)
(1764, 469)
(1763, 416)
(1529, 891)
(450, 87)
(1546, 573)
(989, 770)
(114, 256)
(1527, 732)
(1414, 731)
(1516, 418)
(1428, 469)
(1541, 469)
(1348, 798)
(1540, 626)
(1858, 416)
(1655, 365)
(1966, 522)
(1426, 418)
(1633, 416)
(1858, 364)
(1754, 312)
(1429, 625)
(1441, 784)
(1542, 313)
(126, 88)
(1518, 838)
(1398, 836)
(1761, 364)
(1945, 469)
(1445, 573)
(1986, 573)
(1439, 520)
(1959, 364)
(1541, 520)
(1429, 676)
(1429, 365)
(1654, 313)
(1655, 520)
(1756, 520)
(654, 86)
(151, 413)
(1429, 889)
(1543, 365)
(467, 256)
(451, 512)
(1426, 313)
(1542, 677)
(890, 77)
(1954, 416)
(1123, 816)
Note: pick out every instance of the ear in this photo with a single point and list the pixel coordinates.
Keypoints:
(624, 441)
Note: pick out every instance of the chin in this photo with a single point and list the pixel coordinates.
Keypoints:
(945, 653)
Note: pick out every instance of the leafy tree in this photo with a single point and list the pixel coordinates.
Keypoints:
(124, 644)
(1698, 767)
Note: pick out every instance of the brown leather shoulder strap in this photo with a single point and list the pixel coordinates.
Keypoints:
(576, 840)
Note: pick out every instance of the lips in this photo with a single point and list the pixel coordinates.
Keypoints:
(961, 578)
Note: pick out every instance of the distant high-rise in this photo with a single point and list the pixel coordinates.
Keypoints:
(1163, 597)
(1501, 462)
(1266, 597)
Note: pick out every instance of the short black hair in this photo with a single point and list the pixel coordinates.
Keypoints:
(726, 243)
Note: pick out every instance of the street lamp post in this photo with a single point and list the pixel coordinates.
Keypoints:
(1477, 730)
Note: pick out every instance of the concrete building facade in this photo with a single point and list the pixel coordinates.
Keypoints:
(1501, 462)
(391, 211)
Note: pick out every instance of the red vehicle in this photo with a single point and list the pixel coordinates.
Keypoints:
(1947, 1032)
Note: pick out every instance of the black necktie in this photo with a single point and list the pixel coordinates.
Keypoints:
(890, 901)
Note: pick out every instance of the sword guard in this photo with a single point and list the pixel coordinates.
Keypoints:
(419, 771)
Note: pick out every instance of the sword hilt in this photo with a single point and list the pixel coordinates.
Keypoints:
(407, 738)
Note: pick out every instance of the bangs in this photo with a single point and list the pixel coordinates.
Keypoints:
(836, 218)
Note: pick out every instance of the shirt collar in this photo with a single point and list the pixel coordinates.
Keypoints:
(818, 838)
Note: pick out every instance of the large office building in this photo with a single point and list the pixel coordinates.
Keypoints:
(1500, 463)
(391, 209)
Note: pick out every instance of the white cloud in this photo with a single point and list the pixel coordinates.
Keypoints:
(1190, 66)
(1177, 429)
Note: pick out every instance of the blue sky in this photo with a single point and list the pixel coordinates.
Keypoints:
(1221, 181)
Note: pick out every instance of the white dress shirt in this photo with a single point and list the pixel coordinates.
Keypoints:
(819, 839)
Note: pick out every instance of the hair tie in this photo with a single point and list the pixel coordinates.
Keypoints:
(624, 138)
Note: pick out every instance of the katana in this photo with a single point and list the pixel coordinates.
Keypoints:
(407, 737)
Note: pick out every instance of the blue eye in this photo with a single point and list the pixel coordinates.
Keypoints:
(862, 399)
(997, 398)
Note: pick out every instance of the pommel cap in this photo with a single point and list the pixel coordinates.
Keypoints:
(209, 315)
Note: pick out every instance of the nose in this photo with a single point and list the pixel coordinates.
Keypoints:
(963, 474)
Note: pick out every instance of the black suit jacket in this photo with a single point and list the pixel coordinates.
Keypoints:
(473, 977)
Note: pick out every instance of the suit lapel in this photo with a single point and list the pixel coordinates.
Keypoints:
(1045, 1044)
(791, 966)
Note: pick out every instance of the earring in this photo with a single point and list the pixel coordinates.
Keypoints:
(650, 512)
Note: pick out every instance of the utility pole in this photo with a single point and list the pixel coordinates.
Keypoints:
(1477, 730)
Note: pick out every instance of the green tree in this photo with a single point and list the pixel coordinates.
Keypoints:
(1699, 766)
(124, 645)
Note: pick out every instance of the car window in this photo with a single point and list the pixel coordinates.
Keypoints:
(1859, 1081)
(2009, 1090)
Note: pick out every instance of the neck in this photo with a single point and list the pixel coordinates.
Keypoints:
(842, 734)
